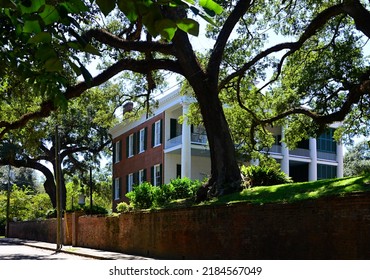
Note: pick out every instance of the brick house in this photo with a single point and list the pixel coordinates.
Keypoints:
(158, 148)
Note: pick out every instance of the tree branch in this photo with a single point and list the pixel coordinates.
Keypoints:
(213, 67)
(48, 106)
(318, 22)
(105, 37)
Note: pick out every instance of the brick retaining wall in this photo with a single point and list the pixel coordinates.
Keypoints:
(331, 228)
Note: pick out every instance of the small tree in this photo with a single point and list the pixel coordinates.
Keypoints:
(357, 159)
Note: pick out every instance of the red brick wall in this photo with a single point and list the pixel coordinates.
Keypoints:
(145, 160)
(332, 228)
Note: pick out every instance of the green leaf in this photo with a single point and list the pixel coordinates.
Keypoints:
(166, 27)
(106, 6)
(35, 6)
(53, 64)
(45, 52)
(189, 26)
(74, 6)
(31, 26)
(42, 37)
(211, 7)
(49, 15)
(128, 7)
(150, 19)
(92, 50)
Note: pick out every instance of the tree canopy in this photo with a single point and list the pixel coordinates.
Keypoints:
(316, 74)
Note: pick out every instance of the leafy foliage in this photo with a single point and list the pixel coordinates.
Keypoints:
(146, 195)
(357, 160)
(25, 205)
(256, 175)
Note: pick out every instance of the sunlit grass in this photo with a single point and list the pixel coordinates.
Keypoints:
(289, 193)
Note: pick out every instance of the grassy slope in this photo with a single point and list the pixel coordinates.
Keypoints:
(298, 191)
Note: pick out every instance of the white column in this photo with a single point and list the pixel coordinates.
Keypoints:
(340, 160)
(285, 153)
(186, 143)
(312, 167)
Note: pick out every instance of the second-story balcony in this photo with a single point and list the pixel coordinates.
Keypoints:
(196, 139)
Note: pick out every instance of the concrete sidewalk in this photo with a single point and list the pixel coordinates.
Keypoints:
(81, 251)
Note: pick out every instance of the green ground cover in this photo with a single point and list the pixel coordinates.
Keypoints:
(288, 193)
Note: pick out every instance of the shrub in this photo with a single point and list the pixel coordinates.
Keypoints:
(123, 207)
(256, 175)
(142, 196)
(146, 195)
(184, 187)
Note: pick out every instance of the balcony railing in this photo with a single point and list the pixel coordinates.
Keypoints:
(196, 138)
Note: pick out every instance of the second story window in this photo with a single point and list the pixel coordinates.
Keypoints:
(130, 145)
(142, 140)
(117, 152)
(157, 133)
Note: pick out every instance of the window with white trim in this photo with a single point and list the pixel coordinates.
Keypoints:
(142, 141)
(117, 188)
(117, 152)
(157, 175)
(157, 133)
(141, 176)
(130, 182)
(130, 145)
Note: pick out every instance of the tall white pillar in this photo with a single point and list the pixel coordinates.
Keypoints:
(186, 142)
(285, 153)
(340, 160)
(312, 167)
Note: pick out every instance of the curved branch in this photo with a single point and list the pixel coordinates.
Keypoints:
(318, 22)
(48, 106)
(105, 37)
(213, 67)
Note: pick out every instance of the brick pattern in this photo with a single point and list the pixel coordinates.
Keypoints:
(331, 228)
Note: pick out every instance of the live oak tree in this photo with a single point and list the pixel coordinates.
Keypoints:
(44, 38)
(82, 135)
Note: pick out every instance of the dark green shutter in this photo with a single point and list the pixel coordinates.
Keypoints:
(145, 138)
(161, 175)
(119, 150)
(126, 183)
(144, 179)
(114, 152)
(119, 187)
(136, 178)
(153, 133)
(152, 175)
(127, 146)
(160, 131)
(134, 143)
(173, 128)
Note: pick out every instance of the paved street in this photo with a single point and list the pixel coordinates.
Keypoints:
(12, 251)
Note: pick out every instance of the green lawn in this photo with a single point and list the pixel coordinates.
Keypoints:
(288, 193)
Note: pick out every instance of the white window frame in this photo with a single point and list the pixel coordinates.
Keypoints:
(117, 156)
(142, 140)
(130, 182)
(131, 145)
(157, 169)
(157, 133)
(116, 188)
(141, 176)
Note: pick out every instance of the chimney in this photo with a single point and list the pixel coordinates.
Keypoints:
(128, 107)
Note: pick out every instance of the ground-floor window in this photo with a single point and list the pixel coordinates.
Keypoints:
(326, 171)
(117, 188)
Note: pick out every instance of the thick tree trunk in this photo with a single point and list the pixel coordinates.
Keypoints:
(225, 172)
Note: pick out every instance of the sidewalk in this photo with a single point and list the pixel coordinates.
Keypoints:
(81, 251)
